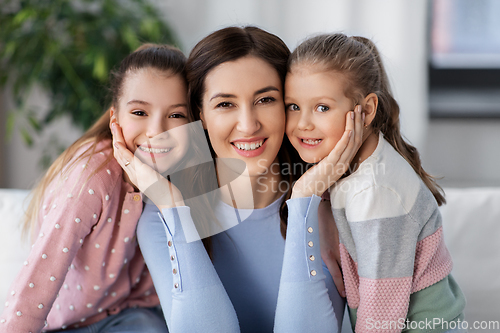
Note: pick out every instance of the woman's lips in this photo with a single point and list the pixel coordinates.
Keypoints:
(249, 147)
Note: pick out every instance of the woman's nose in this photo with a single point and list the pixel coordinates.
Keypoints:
(248, 121)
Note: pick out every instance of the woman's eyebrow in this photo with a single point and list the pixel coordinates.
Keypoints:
(266, 89)
(222, 95)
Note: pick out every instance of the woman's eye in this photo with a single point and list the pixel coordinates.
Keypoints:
(139, 113)
(266, 100)
(322, 108)
(224, 105)
(293, 107)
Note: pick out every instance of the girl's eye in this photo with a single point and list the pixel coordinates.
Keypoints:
(224, 105)
(139, 113)
(266, 100)
(292, 107)
(177, 115)
(322, 108)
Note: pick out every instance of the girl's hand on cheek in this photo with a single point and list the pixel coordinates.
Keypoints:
(157, 188)
(324, 174)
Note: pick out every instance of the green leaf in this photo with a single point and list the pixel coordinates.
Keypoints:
(34, 123)
(100, 68)
(10, 124)
(27, 138)
(10, 48)
(23, 15)
(130, 37)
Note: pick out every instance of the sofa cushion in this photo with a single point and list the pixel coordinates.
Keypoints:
(13, 249)
(471, 220)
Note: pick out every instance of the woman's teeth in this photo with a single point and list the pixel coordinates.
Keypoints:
(311, 142)
(249, 146)
(155, 150)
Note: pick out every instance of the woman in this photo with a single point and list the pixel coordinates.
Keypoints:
(236, 78)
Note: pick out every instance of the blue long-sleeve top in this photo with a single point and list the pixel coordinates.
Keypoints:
(256, 281)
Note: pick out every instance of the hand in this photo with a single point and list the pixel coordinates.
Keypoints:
(162, 192)
(329, 244)
(324, 174)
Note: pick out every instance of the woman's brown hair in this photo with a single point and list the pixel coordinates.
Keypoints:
(231, 44)
(358, 61)
(163, 58)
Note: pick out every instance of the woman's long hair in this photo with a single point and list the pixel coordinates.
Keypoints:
(358, 61)
(230, 44)
(164, 58)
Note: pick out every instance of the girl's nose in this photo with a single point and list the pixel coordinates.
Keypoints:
(248, 121)
(305, 122)
(156, 127)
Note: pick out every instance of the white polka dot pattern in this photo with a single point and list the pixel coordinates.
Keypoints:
(80, 275)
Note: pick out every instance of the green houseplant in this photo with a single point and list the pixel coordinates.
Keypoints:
(68, 48)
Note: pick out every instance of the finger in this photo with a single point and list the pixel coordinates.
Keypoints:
(352, 124)
(121, 153)
(124, 157)
(336, 162)
(358, 125)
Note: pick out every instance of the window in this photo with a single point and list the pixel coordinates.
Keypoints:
(464, 59)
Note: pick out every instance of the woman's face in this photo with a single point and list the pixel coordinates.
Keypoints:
(152, 107)
(244, 113)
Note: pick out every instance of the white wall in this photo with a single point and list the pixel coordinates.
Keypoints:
(465, 152)
(21, 164)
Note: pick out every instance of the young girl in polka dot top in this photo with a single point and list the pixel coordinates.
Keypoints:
(395, 264)
(85, 272)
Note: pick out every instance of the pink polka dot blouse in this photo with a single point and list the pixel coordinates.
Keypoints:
(85, 263)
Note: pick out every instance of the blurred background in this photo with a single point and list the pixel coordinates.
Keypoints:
(442, 57)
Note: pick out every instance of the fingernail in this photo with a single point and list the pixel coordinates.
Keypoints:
(116, 145)
(352, 115)
(350, 133)
(359, 108)
(342, 294)
(363, 116)
(113, 125)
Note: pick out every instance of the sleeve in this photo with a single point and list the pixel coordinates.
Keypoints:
(70, 208)
(191, 294)
(304, 301)
(385, 237)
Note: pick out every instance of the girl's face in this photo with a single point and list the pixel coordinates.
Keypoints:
(316, 111)
(152, 105)
(243, 111)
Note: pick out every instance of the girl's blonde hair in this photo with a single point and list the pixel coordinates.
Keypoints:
(358, 61)
(164, 58)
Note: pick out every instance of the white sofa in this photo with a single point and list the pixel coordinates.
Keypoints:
(471, 221)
